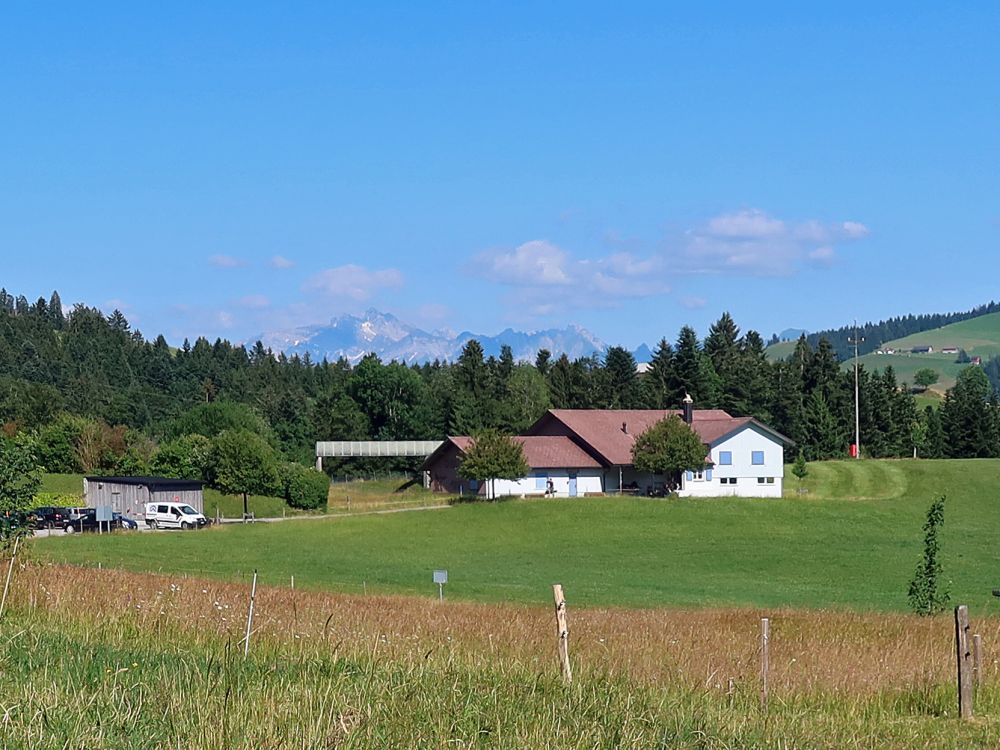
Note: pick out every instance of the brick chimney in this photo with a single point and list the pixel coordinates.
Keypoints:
(688, 404)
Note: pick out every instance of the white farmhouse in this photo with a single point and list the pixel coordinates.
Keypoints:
(578, 452)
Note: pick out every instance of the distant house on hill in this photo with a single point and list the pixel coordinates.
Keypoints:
(922, 350)
(589, 451)
(949, 350)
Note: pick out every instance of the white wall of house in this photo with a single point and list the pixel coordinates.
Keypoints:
(587, 481)
(763, 479)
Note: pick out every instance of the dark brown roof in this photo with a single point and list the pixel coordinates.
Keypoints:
(154, 484)
(545, 452)
(601, 429)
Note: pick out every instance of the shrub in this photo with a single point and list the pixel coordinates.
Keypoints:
(304, 488)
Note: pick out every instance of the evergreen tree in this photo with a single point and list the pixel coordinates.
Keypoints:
(823, 435)
(621, 382)
(543, 361)
(693, 372)
(723, 347)
(659, 377)
(968, 421)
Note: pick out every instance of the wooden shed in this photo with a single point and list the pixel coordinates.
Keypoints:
(129, 495)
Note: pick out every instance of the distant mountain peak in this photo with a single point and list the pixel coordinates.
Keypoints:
(354, 336)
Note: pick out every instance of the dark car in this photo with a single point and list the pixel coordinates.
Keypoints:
(80, 519)
(48, 517)
(124, 522)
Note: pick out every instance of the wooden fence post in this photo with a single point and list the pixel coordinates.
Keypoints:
(562, 630)
(963, 652)
(253, 596)
(977, 661)
(765, 642)
(10, 572)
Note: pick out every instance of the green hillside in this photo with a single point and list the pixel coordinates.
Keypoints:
(980, 337)
(781, 350)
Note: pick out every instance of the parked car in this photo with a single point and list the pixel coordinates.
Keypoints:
(124, 522)
(48, 517)
(174, 516)
(80, 519)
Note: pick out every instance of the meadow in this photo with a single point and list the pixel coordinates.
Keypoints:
(848, 538)
(108, 659)
(383, 493)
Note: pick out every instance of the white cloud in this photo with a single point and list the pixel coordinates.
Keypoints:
(354, 282)
(548, 278)
(752, 243)
(535, 263)
(747, 225)
(825, 255)
(854, 229)
(281, 262)
(226, 261)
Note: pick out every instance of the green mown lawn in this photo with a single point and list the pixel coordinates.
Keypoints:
(852, 539)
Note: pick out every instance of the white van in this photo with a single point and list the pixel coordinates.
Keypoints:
(173, 516)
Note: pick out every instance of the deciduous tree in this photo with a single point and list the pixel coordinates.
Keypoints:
(669, 447)
(242, 463)
(493, 455)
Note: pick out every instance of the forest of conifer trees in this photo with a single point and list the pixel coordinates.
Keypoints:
(97, 396)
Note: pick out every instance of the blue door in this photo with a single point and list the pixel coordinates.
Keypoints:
(572, 485)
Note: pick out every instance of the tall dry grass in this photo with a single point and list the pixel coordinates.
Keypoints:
(840, 652)
(108, 659)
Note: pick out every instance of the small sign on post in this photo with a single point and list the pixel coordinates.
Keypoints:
(105, 514)
(441, 578)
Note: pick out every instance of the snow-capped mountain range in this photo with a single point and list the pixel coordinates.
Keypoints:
(352, 337)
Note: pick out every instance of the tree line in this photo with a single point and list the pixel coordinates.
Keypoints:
(100, 397)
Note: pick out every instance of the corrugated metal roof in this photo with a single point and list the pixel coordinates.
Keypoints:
(153, 483)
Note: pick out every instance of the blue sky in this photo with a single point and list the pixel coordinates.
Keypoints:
(243, 167)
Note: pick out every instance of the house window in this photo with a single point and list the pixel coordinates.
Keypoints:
(770, 480)
(728, 480)
(725, 458)
(760, 480)
(540, 480)
(757, 458)
(699, 476)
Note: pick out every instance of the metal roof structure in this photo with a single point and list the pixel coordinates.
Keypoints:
(375, 448)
